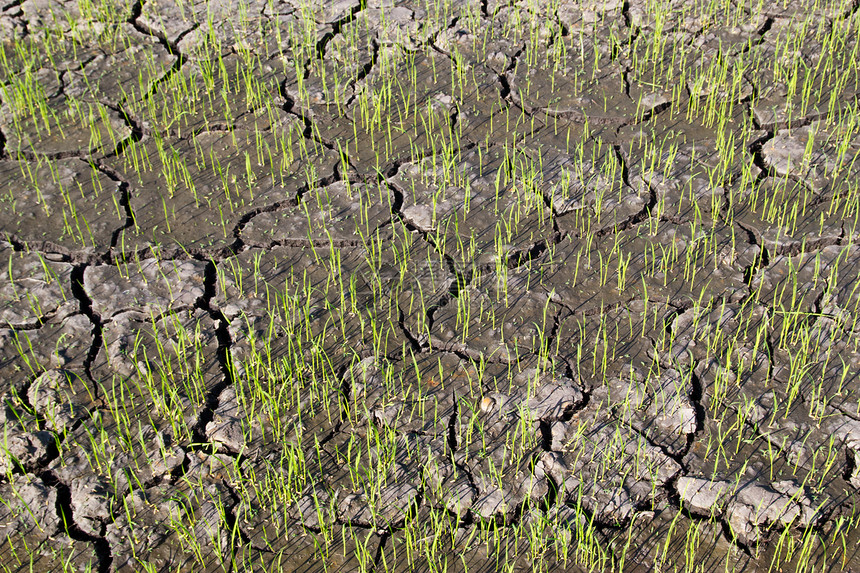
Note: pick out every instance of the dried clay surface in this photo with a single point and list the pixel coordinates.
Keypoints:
(414, 285)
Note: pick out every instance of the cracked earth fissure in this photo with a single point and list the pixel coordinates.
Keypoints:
(241, 288)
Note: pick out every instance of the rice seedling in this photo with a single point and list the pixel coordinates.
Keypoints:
(429, 286)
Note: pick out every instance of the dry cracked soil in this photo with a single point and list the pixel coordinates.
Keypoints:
(419, 285)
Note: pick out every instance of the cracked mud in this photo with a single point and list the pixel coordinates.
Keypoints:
(394, 285)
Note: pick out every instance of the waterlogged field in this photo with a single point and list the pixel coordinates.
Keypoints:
(429, 285)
